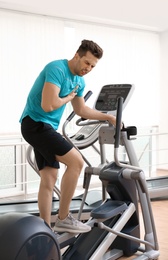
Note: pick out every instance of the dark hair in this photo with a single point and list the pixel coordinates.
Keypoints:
(90, 46)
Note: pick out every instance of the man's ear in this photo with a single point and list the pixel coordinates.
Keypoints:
(76, 56)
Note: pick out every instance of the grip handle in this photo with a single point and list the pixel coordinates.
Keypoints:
(118, 121)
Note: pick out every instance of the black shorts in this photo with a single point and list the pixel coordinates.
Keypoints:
(46, 142)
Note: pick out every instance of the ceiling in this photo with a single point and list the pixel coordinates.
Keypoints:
(142, 14)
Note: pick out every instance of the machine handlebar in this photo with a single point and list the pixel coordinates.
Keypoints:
(118, 121)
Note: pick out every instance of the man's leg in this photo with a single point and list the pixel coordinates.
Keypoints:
(65, 222)
(48, 179)
(74, 162)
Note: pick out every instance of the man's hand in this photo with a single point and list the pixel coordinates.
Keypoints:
(112, 119)
(73, 93)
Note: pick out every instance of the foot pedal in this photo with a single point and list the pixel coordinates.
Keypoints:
(109, 209)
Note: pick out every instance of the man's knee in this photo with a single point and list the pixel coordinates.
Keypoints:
(78, 161)
(48, 177)
(72, 159)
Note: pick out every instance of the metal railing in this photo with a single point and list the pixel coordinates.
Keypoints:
(18, 178)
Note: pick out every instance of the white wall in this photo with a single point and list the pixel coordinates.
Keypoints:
(162, 156)
(163, 122)
(28, 42)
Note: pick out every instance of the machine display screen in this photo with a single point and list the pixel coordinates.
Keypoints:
(107, 99)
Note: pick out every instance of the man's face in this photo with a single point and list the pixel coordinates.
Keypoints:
(84, 64)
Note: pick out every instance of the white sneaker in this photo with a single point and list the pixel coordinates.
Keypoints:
(71, 225)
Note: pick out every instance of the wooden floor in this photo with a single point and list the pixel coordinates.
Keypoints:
(160, 212)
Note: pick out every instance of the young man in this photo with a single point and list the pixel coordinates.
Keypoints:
(60, 82)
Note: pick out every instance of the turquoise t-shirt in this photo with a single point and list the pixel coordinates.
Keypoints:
(58, 73)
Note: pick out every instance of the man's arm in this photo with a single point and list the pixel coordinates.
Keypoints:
(86, 112)
(50, 97)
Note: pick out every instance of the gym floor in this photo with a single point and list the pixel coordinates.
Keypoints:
(160, 212)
